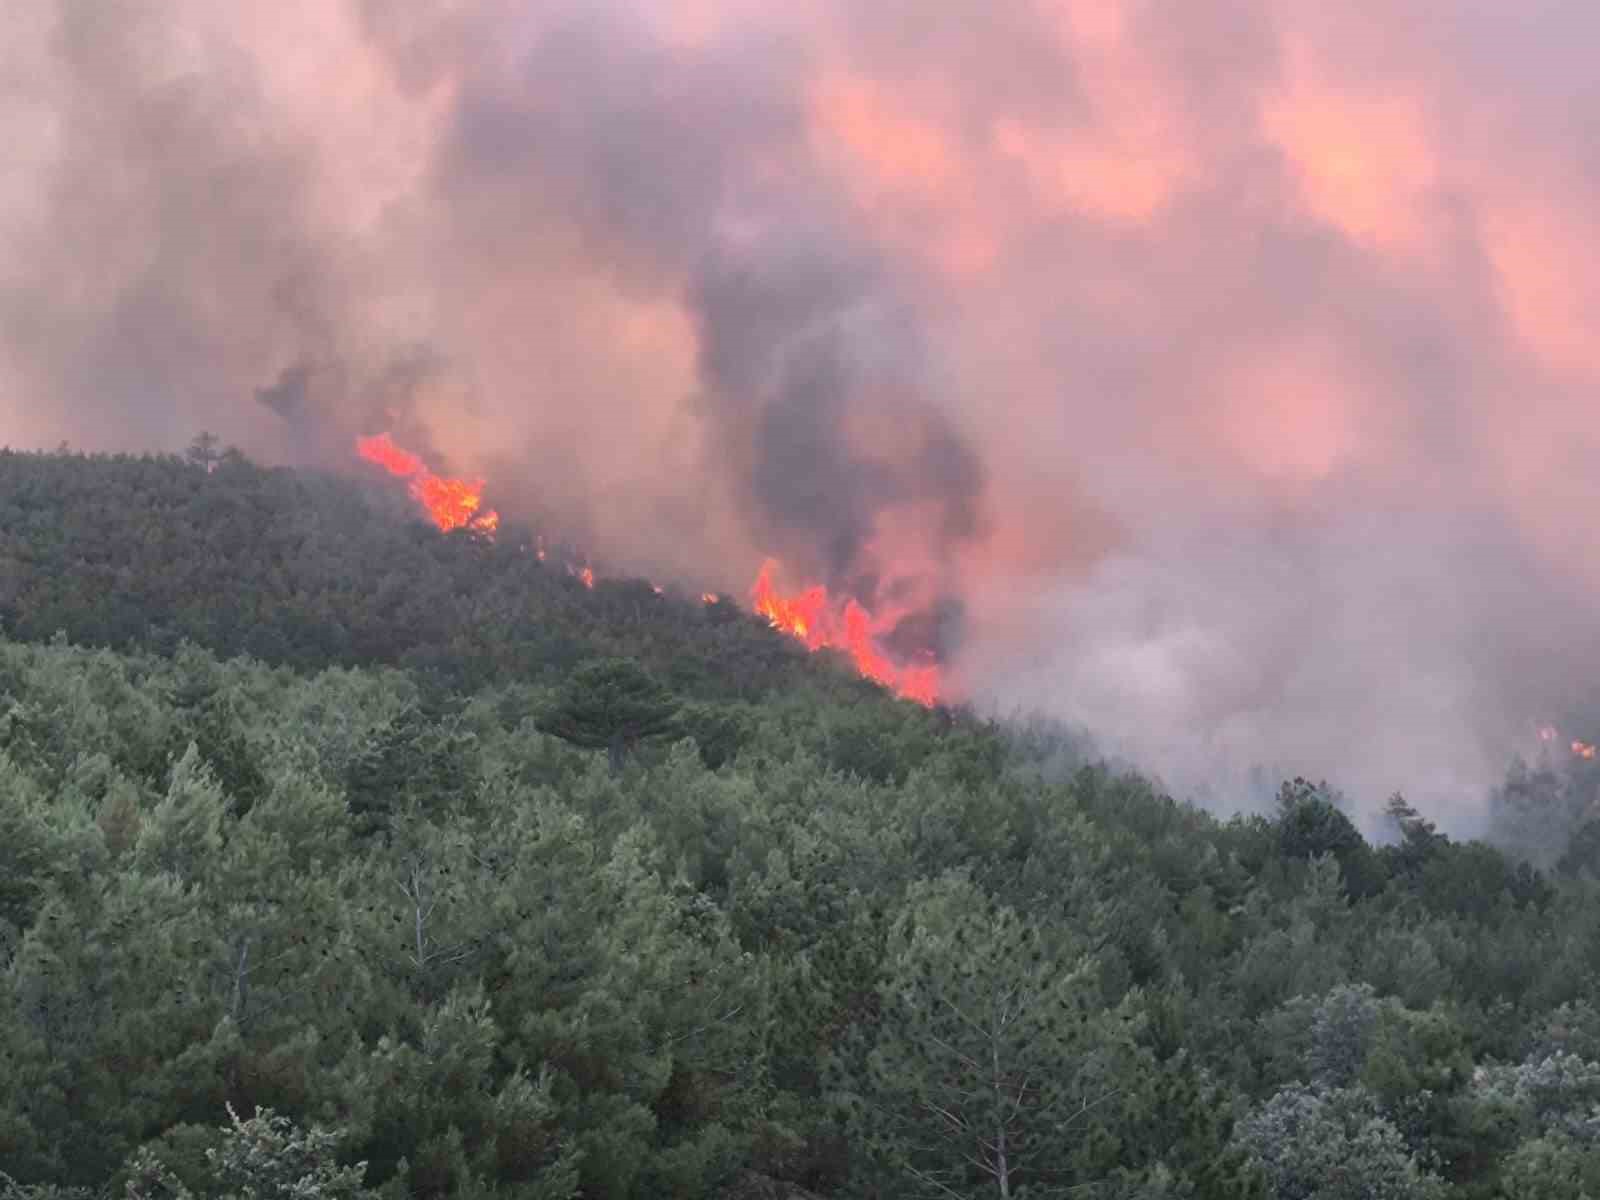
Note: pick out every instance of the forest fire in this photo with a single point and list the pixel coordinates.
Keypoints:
(450, 503)
(810, 615)
(819, 621)
(1587, 751)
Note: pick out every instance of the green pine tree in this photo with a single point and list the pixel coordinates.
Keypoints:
(613, 704)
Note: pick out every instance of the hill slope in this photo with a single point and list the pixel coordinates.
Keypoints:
(797, 937)
(312, 570)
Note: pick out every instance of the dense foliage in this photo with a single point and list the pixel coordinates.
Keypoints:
(326, 871)
(314, 571)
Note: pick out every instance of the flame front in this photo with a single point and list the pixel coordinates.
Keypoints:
(450, 503)
(813, 618)
(811, 615)
(1588, 751)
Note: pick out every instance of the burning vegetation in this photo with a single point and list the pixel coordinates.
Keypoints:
(450, 503)
(822, 621)
(1549, 735)
(810, 615)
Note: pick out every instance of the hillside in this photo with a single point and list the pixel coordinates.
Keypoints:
(511, 887)
(310, 570)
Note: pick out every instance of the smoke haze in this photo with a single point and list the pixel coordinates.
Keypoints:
(1220, 376)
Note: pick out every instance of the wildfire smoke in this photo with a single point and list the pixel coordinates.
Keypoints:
(1227, 367)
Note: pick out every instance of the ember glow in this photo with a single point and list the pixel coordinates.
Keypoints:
(449, 503)
(1551, 736)
(823, 622)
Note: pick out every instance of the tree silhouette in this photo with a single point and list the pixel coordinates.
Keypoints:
(205, 450)
(612, 704)
(1310, 823)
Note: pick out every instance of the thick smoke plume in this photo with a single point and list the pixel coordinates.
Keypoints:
(1220, 376)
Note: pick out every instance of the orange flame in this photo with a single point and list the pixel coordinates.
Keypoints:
(450, 503)
(1550, 735)
(386, 454)
(813, 618)
(810, 615)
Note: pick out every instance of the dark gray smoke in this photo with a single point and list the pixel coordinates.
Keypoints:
(798, 344)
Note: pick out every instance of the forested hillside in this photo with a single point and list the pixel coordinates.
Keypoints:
(312, 571)
(339, 857)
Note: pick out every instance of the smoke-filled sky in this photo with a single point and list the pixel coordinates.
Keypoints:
(1228, 366)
